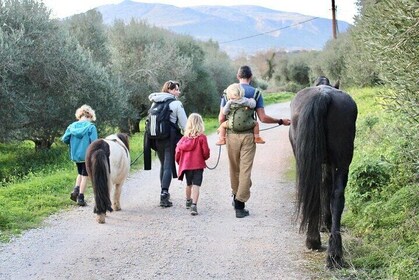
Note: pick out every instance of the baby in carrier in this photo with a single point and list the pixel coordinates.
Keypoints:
(236, 98)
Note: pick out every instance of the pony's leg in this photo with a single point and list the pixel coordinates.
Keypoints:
(116, 205)
(334, 258)
(100, 218)
(326, 192)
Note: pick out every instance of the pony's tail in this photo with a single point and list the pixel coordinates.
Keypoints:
(310, 154)
(97, 165)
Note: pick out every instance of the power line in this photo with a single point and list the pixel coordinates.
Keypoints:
(285, 27)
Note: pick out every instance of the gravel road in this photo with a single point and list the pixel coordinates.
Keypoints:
(145, 241)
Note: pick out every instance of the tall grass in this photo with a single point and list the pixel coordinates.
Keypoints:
(382, 197)
(37, 184)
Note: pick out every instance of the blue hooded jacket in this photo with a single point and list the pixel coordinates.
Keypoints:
(79, 135)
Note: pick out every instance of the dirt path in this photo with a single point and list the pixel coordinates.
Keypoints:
(144, 241)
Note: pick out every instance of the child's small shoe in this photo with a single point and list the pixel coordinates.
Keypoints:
(221, 141)
(259, 140)
(188, 203)
(194, 210)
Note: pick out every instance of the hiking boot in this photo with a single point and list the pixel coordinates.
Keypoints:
(221, 141)
(241, 213)
(194, 210)
(188, 203)
(165, 200)
(80, 200)
(75, 193)
(259, 140)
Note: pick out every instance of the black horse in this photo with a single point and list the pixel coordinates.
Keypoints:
(322, 136)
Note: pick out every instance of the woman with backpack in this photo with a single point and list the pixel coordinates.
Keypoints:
(166, 119)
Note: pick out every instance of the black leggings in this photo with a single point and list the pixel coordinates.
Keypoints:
(167, 159)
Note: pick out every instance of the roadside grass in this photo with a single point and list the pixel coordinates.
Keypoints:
(34, 185)
(381, 215)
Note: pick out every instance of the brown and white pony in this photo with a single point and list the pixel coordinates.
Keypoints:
(108, 164)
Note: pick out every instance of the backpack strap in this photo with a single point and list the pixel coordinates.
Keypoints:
(167, 103)
(257, 94)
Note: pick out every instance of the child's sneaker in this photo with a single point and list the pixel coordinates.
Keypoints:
(221, 141)
(259, 140)
(75, 193)
(194, 210)
(80, 200)
(188, 203)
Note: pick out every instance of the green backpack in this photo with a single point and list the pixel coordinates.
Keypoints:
(242, 118)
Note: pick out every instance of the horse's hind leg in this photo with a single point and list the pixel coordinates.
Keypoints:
(335, 254)
(116, 205)
(326, 192)
(313, 241)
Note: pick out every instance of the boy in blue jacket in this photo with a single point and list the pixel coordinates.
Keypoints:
(79, 135)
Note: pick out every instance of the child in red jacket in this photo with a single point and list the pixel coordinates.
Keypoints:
(191, 153)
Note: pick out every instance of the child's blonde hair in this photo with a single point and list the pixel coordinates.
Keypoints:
(85, 111)
(234, 90)
(194, 126)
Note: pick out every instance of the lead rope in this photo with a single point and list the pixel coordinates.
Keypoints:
(218, 159)
(219, 149)
(272, 127)
(132, 162)
(219, 152)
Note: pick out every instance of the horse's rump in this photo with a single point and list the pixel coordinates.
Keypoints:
(322, 132)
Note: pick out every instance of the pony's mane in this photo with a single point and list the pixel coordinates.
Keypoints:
(124, 138)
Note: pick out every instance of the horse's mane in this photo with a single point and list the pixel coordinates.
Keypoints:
(322, 80)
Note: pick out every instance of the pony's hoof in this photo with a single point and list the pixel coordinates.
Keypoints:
(100, 218)
(116, 207)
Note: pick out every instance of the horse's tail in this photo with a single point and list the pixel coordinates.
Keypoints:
(310, 153)
(97, 164)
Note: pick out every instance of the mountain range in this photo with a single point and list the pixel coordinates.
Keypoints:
(238, 29)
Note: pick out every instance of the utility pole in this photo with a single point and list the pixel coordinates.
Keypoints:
(334, 25)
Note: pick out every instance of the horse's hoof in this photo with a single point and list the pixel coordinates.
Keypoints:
(313, 244)
(334, 262)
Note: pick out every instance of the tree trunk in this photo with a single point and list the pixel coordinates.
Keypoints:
(43, 144)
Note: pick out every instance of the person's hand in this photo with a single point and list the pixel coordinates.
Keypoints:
(286, 122)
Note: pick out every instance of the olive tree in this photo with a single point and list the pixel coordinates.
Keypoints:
(51, 76)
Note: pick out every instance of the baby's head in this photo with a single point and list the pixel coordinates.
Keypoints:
(234, 91)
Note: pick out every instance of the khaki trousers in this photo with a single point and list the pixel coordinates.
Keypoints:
(241, 150)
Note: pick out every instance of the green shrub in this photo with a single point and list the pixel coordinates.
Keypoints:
(382, 196)
(369, 175)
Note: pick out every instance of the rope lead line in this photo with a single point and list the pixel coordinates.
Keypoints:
(132, 162)
(219, 152)
(218, 160)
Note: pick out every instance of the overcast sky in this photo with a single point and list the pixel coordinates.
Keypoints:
(346, 9)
